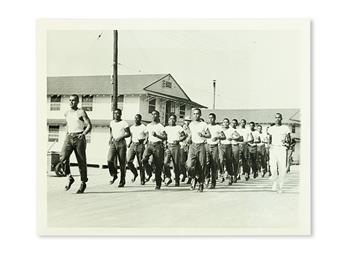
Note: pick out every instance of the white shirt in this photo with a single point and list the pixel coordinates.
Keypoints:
(278, 134)
(157, 128)
(138, 132)
(215, 131)
(256, 137)
(74, 123)
(118, 128)
(244, 132)
(263, 138)
(196, 128)
(233, 131)
(173, 133)
(227, 133)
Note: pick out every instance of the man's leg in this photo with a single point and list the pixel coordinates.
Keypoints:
(235, 150)
(228, 163)
(191, 164)
(263, 162)
(182, 164)
(214, 165)
(208, 160)
(274, 168)
(139, 153)
(175, 153)
(253, 160)
(80, 153)
(245, 161)
(202, 162)
(130, 158)
(282, 157)
(167, 160)
(222, 159)
(121, 151)
(145, 161)
(66, 152)
(267, 157)
(158, 160)
(112, 162)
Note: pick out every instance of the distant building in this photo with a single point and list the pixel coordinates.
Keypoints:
(265, 117)
(136, 94)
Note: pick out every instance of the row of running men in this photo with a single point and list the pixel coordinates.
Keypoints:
(201, 152)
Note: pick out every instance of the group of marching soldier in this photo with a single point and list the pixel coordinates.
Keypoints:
(201, 153)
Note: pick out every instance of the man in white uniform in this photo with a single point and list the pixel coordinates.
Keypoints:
(78, 125)
(136, 148)
(196, 161)
(175, 135)
(212, 149)
(279, 140)
(156, 135)
(119, 130)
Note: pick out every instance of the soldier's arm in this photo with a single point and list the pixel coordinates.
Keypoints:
(111, 136)
(162, 136)
(207, 133)
(183, 136)
(87, 122)
(222, 136)
(126, 134)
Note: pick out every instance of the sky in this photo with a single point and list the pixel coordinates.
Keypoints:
(252, 69)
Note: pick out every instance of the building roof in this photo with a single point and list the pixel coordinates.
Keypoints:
(99, 84)
(296, 117)
(255, 115)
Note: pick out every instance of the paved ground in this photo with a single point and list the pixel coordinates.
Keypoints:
(249, 204)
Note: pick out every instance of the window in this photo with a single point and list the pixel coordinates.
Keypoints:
(55, 102)
(86, 103)
(167, 84)
(152, 105)
(53, 133)
(182, 111)
(172, 107)
(119, 102)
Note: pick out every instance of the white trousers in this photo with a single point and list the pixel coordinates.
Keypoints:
(278, 156)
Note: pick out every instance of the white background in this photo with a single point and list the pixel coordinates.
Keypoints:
(21, 245)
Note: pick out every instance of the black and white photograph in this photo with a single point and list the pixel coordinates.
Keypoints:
(174, 127)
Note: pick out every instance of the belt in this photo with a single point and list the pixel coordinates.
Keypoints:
(155, 143)
(172, 144)
(72, 134)
(198, 143)
(139, 142)
(213, 145)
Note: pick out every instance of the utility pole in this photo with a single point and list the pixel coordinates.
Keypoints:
(115, 79)
(214, 94)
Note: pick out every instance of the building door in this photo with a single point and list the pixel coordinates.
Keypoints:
(167, 111)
